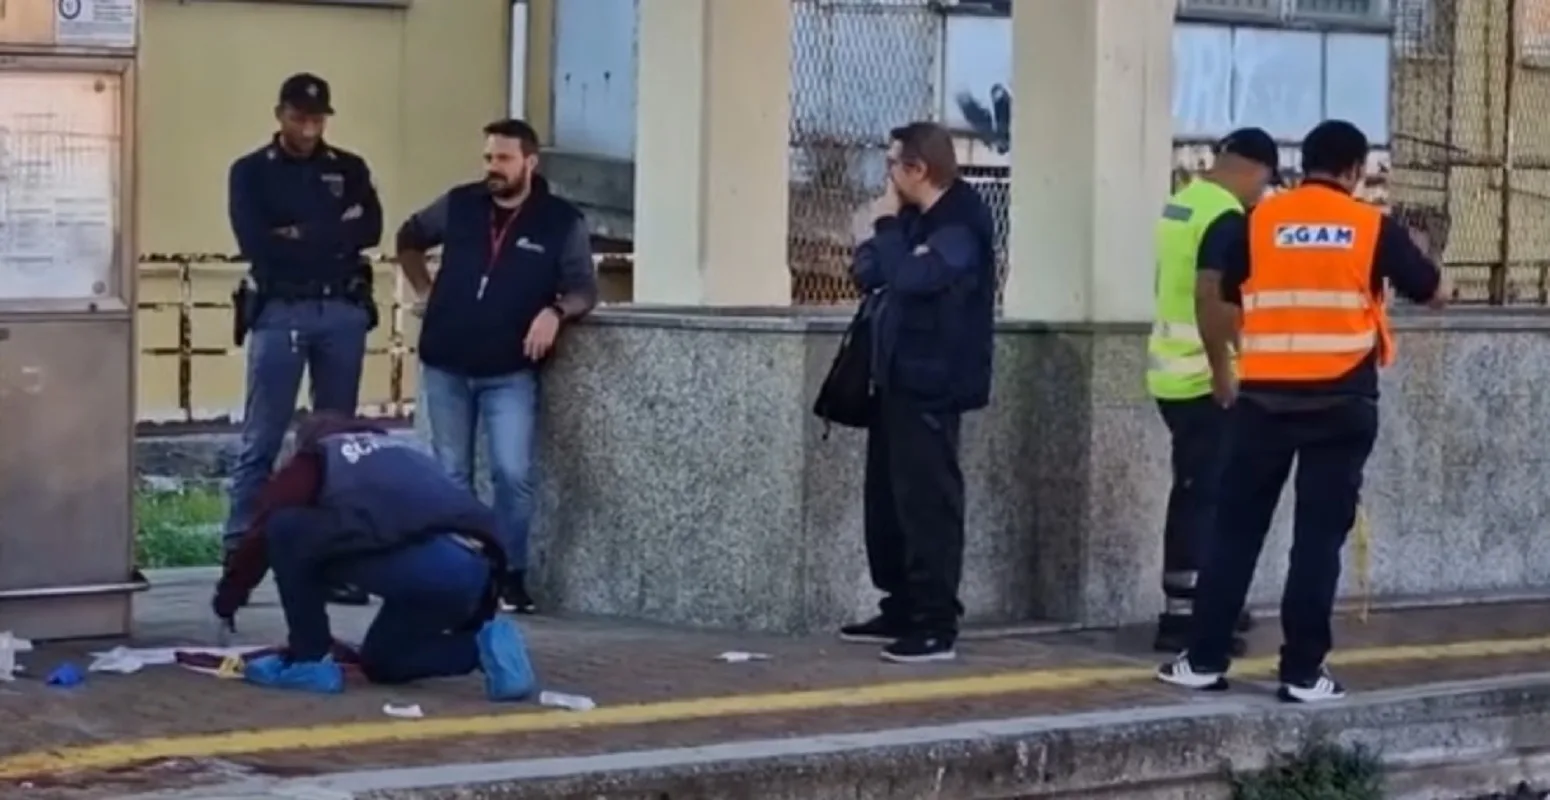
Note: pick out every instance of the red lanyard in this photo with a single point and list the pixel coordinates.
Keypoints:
(497, 243)
(498, 239)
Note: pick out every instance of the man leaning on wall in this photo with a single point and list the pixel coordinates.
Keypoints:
(516, 267)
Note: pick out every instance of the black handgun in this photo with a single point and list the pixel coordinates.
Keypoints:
(361, 290)
(246, 303)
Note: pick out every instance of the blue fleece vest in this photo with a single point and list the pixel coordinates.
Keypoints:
(481, 336)
(386, 494)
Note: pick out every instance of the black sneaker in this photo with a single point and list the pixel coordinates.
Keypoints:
(514, 596)
(880, 629)
(1318, 689)
(919, 649)
(348, 596)
(1245, 622)
(1179, 672)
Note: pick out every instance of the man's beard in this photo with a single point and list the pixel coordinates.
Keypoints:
(500, 186)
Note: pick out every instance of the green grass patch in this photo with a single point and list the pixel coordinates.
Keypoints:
(1319, 772)
(179, 528)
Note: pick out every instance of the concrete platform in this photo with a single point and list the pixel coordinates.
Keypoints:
(1448, 696)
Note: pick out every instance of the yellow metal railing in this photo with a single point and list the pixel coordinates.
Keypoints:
(190, 372)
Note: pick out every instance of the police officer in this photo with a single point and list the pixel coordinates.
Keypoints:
(357, 505)
(1308, 276)
(1198, 226)
(302, 211)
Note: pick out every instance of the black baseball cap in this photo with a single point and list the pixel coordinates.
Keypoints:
(307, 93)
(1255, 145)
(1334, 146)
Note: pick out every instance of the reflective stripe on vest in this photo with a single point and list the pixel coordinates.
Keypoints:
(1302, 298)
(1177, 368)
(1185, 366)
(1310, 342)
(1309, 308)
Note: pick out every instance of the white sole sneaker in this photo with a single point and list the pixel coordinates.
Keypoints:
(864, 638)
(925, 658)
(1179, 672)
(1323, 690)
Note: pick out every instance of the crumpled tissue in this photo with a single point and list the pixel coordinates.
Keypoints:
(10, 645)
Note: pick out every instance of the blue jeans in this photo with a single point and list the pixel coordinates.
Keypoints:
(430, 593)
(507, 407)
(325, 338)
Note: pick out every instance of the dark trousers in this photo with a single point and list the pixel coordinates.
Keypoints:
(430, 592)
(914, 515)
(1330, 446)
(1198, 430)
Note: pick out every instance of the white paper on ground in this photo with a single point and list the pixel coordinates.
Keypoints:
(10, 645)
(403, 712)
(126, 660)
(740, 657)
(571, 702)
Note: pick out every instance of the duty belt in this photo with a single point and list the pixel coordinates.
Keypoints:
(304, 291)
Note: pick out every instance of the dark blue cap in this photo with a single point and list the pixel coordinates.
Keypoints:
(1256, 145)
(307, 93)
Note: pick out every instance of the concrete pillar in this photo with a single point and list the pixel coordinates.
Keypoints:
(711, 166)
(1091, 150)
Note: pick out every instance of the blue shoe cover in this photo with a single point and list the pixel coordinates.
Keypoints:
(508, 673)
(322, 677)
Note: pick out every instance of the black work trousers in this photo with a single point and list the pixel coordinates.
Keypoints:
(1330, 446)
(1197, 428)
(914, 515)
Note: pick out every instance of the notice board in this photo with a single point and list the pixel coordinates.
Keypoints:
(61, 151)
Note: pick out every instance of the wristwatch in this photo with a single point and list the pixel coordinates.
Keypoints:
(559, 310)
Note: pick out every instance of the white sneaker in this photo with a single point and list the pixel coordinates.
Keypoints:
(1320, 689)
(1179, 672)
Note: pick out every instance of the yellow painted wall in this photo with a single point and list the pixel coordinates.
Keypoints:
(412, 88)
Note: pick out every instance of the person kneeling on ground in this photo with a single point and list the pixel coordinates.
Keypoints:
(355, 505)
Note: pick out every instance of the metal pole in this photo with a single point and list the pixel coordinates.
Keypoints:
(1509, 111)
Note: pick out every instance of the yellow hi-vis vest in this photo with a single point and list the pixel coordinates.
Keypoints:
(1177, 368)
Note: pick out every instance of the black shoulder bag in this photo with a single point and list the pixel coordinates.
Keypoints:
(848, 394)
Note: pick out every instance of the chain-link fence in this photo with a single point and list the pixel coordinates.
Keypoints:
(1471, 162)
(858, 69)
(1468, 164)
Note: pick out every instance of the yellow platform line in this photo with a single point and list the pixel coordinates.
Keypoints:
(354, 734)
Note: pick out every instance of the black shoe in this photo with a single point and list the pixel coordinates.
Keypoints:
(1318, 689)
(1179, 672)
(1173, 636)
(514, 596)
(1245, 622)
(348, 596)
(920, 648)
(880, 629)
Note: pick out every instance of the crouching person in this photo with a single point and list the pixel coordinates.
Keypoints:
(356, 506)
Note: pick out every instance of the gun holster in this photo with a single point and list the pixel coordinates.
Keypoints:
(361, 292)
(246, 304)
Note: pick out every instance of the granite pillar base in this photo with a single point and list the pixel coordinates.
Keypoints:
(685, 480)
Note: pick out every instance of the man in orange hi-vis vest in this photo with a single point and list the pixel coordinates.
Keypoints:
(1308, 281)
